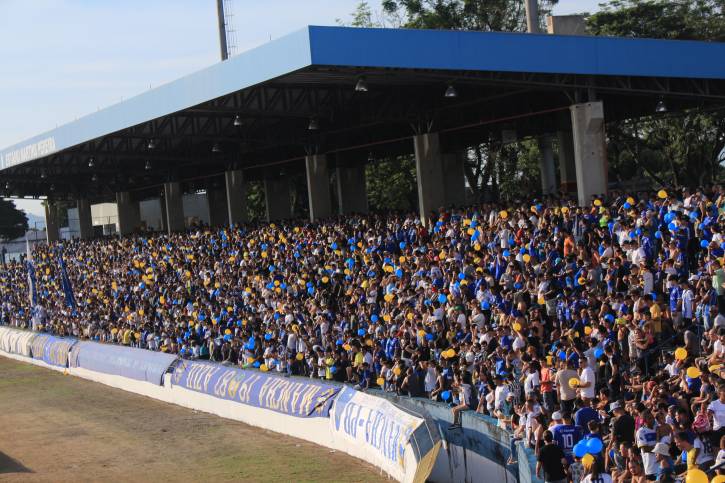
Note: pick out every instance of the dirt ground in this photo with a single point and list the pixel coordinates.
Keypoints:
(61, 428)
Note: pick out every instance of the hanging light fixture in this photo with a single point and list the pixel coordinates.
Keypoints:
(43, 174)
(216, 148)
(52, 187)
(661, 106)
(151, 144)
(371, 158)
(91, 162)
(8, 185)
(94, 178)
(147, 167)
(451, 92)
(313, 125)
(237, 121)
(361, 85)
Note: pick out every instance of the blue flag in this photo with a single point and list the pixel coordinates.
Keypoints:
(70, 299)
(32, 281)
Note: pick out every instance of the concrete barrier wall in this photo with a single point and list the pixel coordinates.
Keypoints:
(407, 438)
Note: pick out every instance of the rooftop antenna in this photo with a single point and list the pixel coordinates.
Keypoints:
(227, 34)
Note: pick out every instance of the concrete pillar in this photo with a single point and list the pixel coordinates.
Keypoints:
(567, 168)
(590, 151)
(547, 167)
(129, 213)
(85, 221)
(217, 202)
(454, 178)
(174, 207)
(277, 195)
(431, 194)
(318, 187)
(236, 197)
(352, 195)
(52, 223)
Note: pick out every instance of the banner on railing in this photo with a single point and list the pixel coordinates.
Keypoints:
(51, 349)
(15, 341)
(379, 430)
(295, 397)
(137, 364)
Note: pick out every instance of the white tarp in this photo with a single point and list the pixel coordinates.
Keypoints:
(377, 431)
(16, 341)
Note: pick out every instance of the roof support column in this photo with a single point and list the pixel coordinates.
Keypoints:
(52, 223)
(547, 167)
(590, 151)
(85, 222)
(318, 186)
(352, 193)
(429, 174)
(216, 199)
(236, 197)
(454, 178)
(174, 206)
(277, 195)
(129, 213)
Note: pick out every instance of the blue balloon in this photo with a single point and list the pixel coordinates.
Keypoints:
(267, 336)
(609, 318)
(580, 449)
(361, 332)
(446, 395)
(485, 305)
(402, 245)
(374, 317)
(518, 285)
(442, 298)
(338, 342)
(672, 226)
(334, 246)
(227, 337)
(399, 273)
(627, 205)
(474, 223)
(506, 253)
(704, 243)
(333, 369)
(271, 268)
(658, 234)
(461, 276)
(598, 352)
(562, 355)
(310, 290)
(594, 445)
(429, 336)
(257, 364)
(669, 217)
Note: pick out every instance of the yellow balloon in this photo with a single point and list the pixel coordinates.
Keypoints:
(718, 479)
(396, 371)
(587, 330)
(263, 368)
(517, 326)
(299, 356)
(573, 383)
(380, 381)
(597, 202)
(565, 209)
(526, 258)
(587, 460)
(693, 372)
(696, 476)
(503, 214)
(421, 333)
(680, 354)
(630, 200)
(662, 194)
(451, 353)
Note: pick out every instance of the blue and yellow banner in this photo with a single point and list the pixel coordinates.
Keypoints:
(51, 349)
(295, 397)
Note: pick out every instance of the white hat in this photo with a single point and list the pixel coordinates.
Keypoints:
(556, 416)
(662, 448)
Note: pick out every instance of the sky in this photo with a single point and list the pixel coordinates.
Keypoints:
(62, 59)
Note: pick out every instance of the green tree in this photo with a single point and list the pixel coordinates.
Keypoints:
(13, 222)
(391, 184)
(670, 150)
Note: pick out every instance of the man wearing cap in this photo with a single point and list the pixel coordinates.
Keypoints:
(622, 424)
(665, 465)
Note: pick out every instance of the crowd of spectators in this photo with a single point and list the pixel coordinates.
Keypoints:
(594, 334)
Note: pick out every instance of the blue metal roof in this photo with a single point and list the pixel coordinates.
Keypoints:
(388, 48)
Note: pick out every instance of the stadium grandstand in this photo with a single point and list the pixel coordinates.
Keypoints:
(584, 327)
